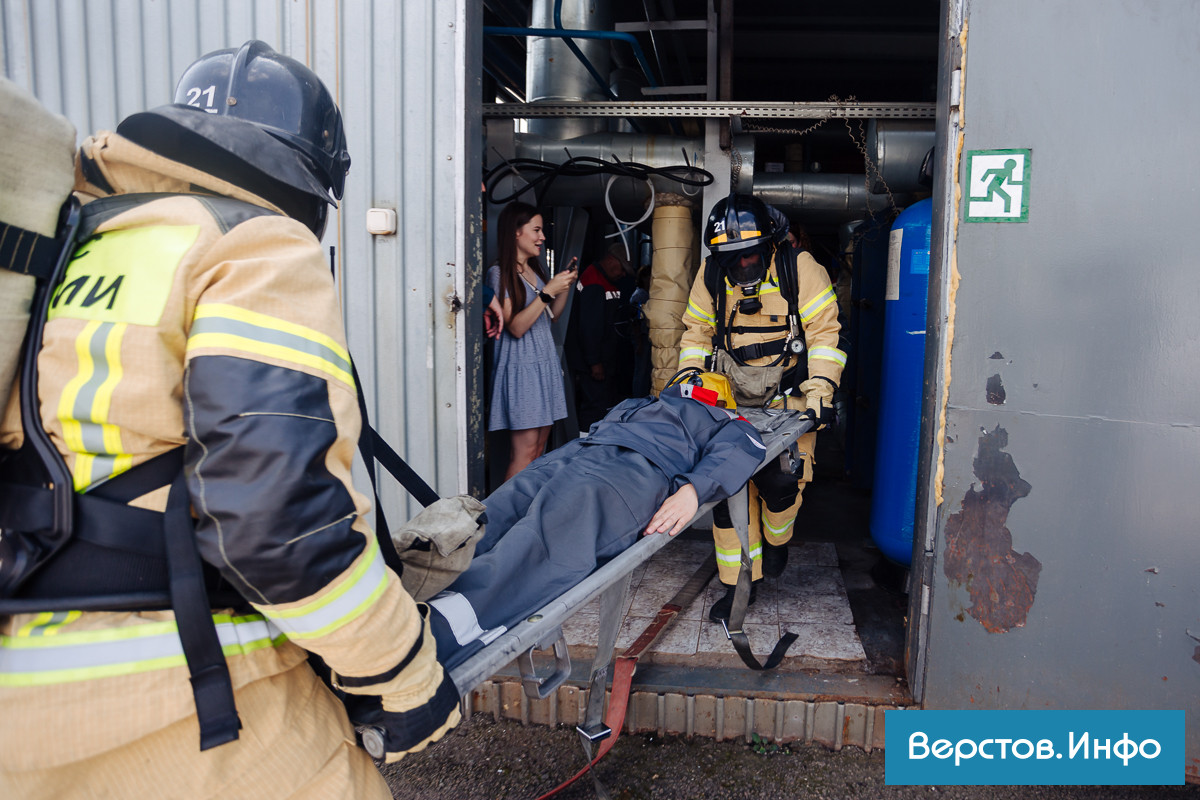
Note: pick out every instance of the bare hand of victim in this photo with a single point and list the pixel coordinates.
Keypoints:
(676, 512)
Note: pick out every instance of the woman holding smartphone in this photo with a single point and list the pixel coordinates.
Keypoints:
(527, 391)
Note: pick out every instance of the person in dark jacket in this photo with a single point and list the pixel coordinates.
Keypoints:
(599, 346)
(646, 468)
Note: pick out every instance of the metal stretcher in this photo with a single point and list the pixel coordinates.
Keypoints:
(779, 431)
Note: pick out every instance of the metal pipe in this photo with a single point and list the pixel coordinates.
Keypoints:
(557, 70)
(567, 34)
(574, 48)
(628, 196)
(819, 198)
(627, 37)
(898, 147)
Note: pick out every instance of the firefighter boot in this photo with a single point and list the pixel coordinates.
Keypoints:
(774, 558)
(720, 609)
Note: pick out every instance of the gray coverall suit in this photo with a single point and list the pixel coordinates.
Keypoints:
(551, 524)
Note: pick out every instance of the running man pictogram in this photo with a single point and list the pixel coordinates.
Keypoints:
(997, 186)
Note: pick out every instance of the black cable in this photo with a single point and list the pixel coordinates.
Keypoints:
(546, 172)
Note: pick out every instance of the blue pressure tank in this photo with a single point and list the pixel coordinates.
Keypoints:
(894, 495)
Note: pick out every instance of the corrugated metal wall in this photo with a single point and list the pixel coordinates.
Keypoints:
(1066, 556)
(406, 78)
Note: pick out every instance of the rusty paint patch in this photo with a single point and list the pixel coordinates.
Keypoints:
(995, 391)
(979, 555)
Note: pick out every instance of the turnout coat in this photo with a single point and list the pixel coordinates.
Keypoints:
(207, 320)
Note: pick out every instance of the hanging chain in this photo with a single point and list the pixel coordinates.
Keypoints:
(754, 127)
(870, 168)
(833, 98)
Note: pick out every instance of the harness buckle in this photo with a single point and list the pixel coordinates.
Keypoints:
(595, 733)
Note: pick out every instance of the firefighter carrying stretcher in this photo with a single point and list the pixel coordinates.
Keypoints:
(764, 314)
(194, 355)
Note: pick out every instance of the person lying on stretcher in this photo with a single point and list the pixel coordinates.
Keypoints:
(645, 468)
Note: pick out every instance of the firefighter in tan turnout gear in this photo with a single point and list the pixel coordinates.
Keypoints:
(197, 331)
(764, 314)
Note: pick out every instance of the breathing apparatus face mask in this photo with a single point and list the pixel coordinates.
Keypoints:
(745, 267)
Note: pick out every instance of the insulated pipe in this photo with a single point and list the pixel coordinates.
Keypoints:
(899, 147)
(627, 196)
(672, 270)
(820, 198)
(553, 73)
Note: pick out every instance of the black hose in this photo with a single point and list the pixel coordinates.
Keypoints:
(545, 173)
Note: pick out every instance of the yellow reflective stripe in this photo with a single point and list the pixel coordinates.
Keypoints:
(118, 460)
(734, 557)
(348, 600)
(219, 325)
(48, 623)
(87, 655)
(818, 303)
(700, 315)
(83, 407)
(694, 352)
(768, 288)
(827, 354)
(731, 557)
(66, 402)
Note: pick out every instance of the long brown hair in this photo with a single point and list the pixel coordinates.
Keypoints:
(512, 218)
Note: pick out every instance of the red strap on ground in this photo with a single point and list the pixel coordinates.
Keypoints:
(622, 682)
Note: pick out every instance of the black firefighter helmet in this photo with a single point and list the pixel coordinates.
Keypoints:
(739, 232)
(259, 120)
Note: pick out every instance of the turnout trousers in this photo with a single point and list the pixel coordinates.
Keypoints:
(774, 500)
(295, 743)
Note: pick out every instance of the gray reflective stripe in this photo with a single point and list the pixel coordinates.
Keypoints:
(258, 333)
(91, 431)
(817, 304)
(781, 529)
(126, 647)
(827, 353)
(325, 615)
(464, 624)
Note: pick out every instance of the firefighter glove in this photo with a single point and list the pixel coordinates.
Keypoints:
(416, 703)
(818, 396)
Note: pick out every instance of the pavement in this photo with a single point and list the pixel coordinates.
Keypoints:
(484, 759)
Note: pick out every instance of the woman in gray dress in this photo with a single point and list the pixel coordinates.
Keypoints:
(527, 391)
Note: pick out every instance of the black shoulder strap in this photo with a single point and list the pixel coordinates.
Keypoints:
(373, 448)
(785, 271)
(212, 687)
(37, 440)
(28, 252)
(713, 281)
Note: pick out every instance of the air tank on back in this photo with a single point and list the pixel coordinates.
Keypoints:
(894, 495)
